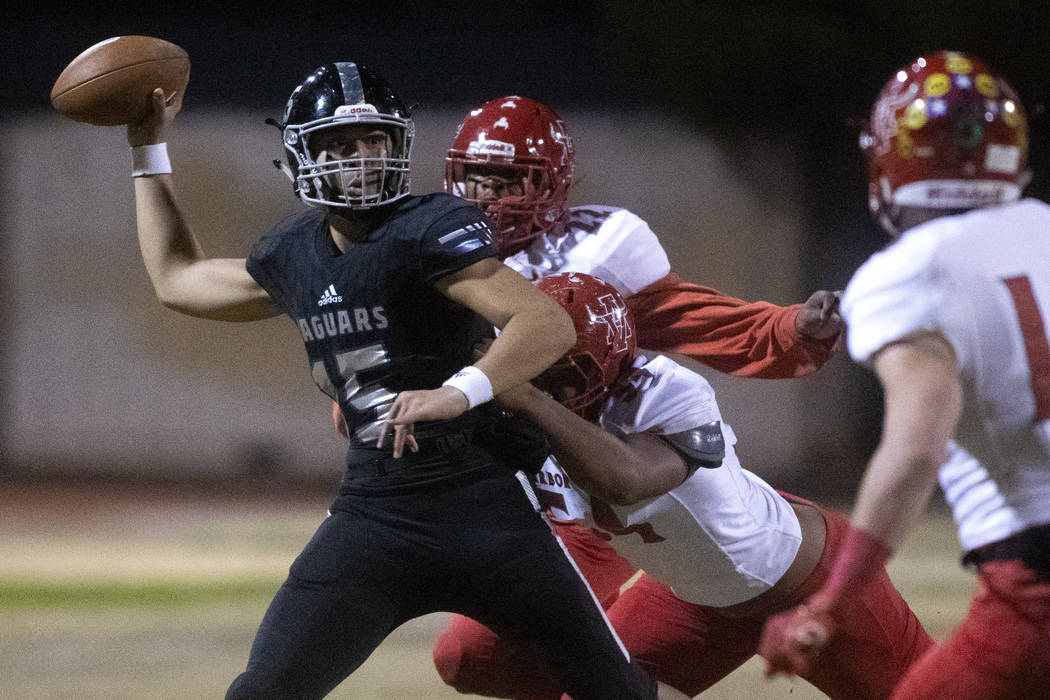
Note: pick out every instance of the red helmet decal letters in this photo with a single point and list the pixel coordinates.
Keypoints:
(610, 314)
(605, 341)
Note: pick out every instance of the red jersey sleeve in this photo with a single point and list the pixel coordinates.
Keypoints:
(747, 339)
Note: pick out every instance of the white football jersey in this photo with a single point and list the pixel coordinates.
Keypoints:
(723, 536)
(609, 243)
(983, 280)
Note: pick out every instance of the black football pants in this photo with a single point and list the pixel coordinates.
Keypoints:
(474, 545)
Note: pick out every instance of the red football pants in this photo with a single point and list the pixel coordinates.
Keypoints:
(692, 647)
(1002, 648)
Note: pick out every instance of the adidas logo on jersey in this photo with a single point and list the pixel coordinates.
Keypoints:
(329, 296)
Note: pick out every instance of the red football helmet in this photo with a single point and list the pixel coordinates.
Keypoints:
(605, 342)
(945, 133)
(513, 158)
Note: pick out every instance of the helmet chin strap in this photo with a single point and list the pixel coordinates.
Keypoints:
(283, 167)
(896, 219)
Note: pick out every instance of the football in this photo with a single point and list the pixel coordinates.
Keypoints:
(111, 82)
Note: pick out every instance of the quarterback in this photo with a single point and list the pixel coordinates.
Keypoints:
(391, 292)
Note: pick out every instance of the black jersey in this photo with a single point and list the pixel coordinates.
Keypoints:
(372, 321)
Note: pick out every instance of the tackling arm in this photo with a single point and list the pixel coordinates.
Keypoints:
(183, 278)
(620, 472)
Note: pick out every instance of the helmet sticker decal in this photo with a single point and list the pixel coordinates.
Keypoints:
(915, 114)
(1011, 115)
(354, 110)
(958, 64)
(936, 85)
(986, 85)
(611, 315)
(491, 148)
(1002, 159)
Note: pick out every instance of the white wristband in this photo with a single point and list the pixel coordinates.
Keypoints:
(150, 160)
(472, 382)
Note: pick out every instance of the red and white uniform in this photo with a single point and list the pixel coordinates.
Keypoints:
(750, 339)
(982, 280)
(753, 339)
(721, 537)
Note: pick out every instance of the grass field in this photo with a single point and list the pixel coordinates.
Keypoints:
(120, 593)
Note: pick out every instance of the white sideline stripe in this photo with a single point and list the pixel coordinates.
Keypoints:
(527, 486)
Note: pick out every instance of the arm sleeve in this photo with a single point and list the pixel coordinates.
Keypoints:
(747, 339)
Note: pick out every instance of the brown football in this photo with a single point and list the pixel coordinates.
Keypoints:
(110, 83)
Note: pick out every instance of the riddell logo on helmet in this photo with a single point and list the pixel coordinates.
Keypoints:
(977, 194)
(354, 110)
(491, 148)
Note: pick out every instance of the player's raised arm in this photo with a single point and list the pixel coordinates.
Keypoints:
(183, 278)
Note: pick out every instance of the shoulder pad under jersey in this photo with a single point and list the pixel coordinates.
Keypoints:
(702, 446)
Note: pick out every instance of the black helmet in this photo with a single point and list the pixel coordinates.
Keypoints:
(334, 95)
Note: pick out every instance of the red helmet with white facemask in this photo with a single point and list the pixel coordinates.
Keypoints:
(945, 133)
(605, 342)
(512, 157)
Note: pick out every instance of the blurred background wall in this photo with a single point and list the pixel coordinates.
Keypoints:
(730, 127)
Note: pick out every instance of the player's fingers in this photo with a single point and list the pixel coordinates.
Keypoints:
(810, 635)
(384, 432)
(403, 434)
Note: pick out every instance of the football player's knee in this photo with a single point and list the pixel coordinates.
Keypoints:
(459, 667)
(242, 689)
(449, 661)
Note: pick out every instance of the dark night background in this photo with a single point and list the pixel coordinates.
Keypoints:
(800, 71)
(803, 73)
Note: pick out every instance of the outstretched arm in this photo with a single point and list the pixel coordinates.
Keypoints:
(183, 278)
(746, 339)
(620, 472)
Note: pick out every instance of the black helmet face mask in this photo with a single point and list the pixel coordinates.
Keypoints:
(336, 105)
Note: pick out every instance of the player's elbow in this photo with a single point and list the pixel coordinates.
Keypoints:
(169, 294)
(165, 295)
(170, 298)
(623, 490)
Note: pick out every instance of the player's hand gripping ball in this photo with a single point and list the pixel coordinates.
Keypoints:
(110, 83)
